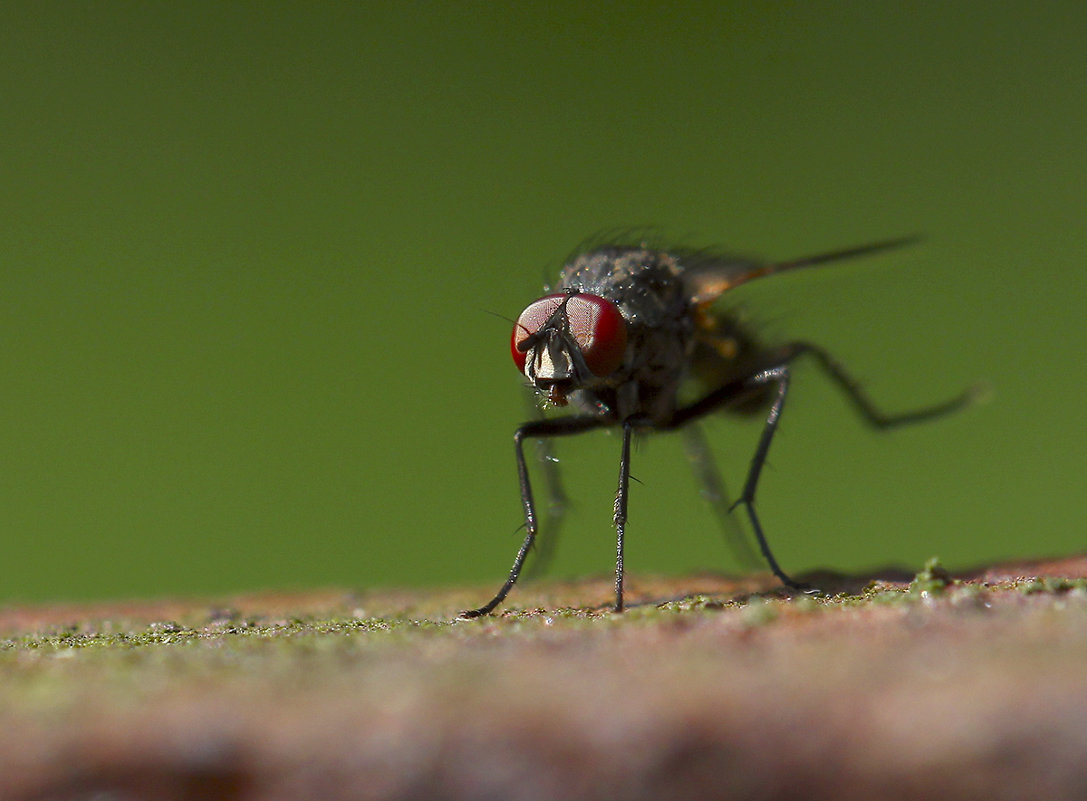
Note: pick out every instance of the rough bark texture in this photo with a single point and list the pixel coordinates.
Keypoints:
(975, 687)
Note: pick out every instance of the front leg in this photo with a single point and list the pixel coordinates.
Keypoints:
(555, 506)
(534, 429)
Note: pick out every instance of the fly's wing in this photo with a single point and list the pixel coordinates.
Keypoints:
(706, 277)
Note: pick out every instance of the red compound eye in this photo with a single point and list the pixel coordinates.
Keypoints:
(595, 324)
(530, 321)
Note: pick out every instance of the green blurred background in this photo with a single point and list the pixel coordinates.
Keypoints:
(249, 252)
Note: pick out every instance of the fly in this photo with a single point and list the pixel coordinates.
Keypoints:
(626, 328)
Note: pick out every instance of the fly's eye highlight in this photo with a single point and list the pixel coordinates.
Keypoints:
(595, 324)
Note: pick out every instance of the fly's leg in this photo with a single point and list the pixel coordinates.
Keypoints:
(713, 490)
(620, 517)
(564, 426)
(775, 369)
(530, 533)
(779, 374)
(556, 508)
(867, 410)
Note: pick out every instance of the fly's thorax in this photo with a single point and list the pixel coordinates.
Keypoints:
(644, 284)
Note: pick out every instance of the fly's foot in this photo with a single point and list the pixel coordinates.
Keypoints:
(794, 588)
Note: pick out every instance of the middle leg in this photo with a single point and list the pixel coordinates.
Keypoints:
(620, 515)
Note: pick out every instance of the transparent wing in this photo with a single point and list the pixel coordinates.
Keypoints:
(707, 277)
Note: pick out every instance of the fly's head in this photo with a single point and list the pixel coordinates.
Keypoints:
(569, 341)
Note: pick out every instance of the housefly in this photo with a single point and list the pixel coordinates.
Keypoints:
(626, 328)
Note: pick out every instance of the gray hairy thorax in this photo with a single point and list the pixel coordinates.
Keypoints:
(646, 287)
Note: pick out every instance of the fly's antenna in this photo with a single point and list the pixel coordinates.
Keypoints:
(509, 320)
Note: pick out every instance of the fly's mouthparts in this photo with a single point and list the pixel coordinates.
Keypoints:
(556, 390)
